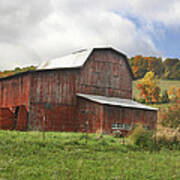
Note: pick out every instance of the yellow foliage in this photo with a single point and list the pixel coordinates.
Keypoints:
(149, 87)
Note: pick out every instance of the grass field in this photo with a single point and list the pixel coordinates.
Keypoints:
(25, 155)
(164, 85)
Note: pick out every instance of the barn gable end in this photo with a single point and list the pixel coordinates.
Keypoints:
(106, 73)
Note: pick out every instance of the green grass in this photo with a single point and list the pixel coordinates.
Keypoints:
(164, 85)
(25, 155)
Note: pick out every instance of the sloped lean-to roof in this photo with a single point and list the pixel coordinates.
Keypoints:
(116, 102)
(76, 60)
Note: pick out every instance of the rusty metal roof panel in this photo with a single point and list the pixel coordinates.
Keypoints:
(116, 102)
(74, 60)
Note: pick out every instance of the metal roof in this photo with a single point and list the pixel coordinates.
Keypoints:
(74, 60)
(116, 101)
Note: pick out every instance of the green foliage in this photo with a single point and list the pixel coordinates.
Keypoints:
(175, 74)
(142, 138)
(171, 71)
(165, 97)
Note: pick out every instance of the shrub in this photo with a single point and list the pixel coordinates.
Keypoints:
(165, 97)
(142, 138)
(170, 117)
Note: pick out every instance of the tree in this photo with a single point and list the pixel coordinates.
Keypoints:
(174, 93)
(148, 87)
(139, 66)
(171, 68)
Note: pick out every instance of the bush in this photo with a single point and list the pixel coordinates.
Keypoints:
(142, 138)
(170, 117)
(165, 97)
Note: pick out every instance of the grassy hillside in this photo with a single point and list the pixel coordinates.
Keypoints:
(25, 155)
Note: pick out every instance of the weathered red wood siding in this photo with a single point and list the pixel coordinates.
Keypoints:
(14, 91)
(22, 119)
(130, 116)
(101, 117)
(53, 99)
(91, 112)
(47, 99)
(6, 119)
(105, 73)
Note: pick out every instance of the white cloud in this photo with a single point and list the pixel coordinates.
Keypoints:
(32, 31)
(61, 33)
(15, 55)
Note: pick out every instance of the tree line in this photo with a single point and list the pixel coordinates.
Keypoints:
(167, 69)
(16, 71)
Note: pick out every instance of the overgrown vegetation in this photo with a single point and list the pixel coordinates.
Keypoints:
(157, 139)
(143, 138)
(25, 155)
(170, 117)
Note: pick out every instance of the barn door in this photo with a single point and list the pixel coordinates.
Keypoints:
(21, 118)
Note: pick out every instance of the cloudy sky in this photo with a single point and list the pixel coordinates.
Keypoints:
(32, 31)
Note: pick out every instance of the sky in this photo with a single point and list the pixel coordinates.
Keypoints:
(34, 31)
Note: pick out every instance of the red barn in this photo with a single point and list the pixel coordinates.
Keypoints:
(87, 89)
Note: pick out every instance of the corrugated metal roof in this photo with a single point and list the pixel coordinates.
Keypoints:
(116, 101)
(74, 60)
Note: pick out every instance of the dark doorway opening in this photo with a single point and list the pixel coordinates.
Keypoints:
(16, 116)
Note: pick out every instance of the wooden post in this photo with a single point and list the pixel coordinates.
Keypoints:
(44, 125)
(86, 129)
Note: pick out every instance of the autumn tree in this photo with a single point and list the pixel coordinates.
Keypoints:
(148, 87)
(141, 65)
(174, 93)
(155, 65)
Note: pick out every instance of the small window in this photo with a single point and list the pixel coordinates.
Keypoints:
(121, 126)
(114, 126)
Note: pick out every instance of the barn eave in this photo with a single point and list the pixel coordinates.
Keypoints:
(113, 101)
